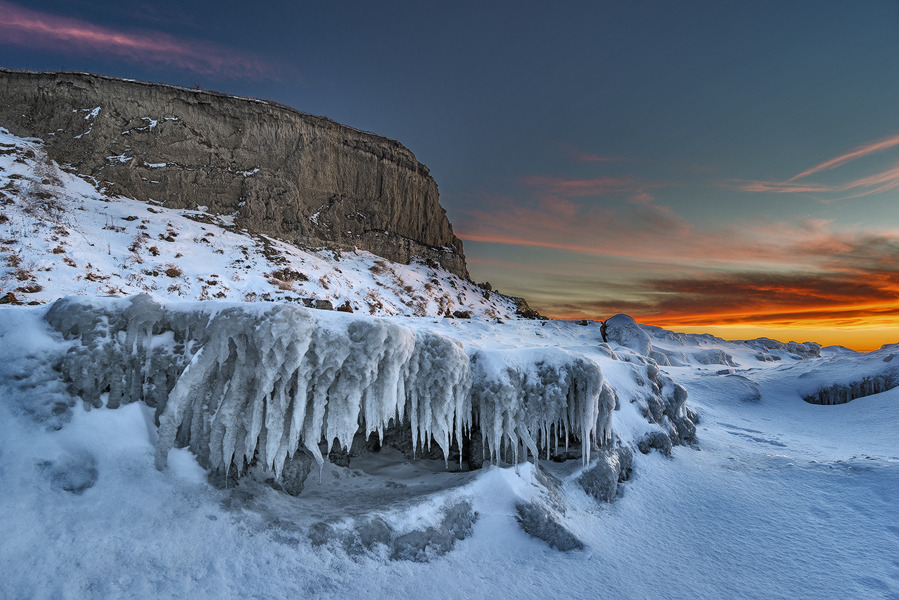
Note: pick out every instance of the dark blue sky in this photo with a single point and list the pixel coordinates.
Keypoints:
(693, 163)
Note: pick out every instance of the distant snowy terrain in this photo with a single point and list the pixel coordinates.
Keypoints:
(175, 443)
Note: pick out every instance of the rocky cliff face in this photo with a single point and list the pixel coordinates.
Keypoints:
(298, 177)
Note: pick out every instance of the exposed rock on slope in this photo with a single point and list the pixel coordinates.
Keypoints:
(59, 236)
(843, 393)
(298, 177)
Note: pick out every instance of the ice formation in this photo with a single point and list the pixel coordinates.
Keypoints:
(843, 393)
(238, 383)
(537, 397)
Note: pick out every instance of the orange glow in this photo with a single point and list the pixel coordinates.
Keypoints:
(863, 340)
(862, 327)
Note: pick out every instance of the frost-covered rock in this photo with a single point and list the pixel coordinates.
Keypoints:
(655, 440)
(611, 468)
(662, 401)
(540, 523)
(296, 470)
(357, 536)
(843, 393)
(623, 330)
(794, 350)
(714, 356)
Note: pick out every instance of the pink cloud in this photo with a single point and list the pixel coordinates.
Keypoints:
(877, 183)
(649, 233)
(782, 187)
(883, 181)
(643, 198)
(572, 188)
(859, 152)
(34, 29)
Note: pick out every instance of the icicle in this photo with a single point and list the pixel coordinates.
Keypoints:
(242, 382)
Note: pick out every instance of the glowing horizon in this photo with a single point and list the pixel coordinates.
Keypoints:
(690, 164)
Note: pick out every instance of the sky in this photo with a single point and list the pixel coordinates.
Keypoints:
(706, 166)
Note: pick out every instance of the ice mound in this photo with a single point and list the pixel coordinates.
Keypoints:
(768, 347)
(239, 383)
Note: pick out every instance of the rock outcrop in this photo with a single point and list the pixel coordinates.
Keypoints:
(843, 393)
(623, 330)
(298, 177)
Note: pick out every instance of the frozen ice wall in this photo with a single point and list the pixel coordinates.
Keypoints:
(536, 397)
(238, 382)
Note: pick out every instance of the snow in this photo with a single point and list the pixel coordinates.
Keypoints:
(103, 244)
(90, 116)
(801, 493)
(774, 497)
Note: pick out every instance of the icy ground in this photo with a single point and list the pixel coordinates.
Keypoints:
(779, 498)
(775, 498)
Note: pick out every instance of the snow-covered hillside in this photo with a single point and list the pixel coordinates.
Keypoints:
(191, 439)
(60, 236)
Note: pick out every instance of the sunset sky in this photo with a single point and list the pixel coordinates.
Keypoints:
(707, 166)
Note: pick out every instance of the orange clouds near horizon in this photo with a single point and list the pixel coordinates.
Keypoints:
(602, 245)
(781, 280)
(862, 322)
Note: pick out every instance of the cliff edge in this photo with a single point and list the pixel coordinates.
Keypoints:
(298, 177)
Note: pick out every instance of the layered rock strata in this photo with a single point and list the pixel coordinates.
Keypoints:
(298, 177)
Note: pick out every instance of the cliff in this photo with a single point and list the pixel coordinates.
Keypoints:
(298, 177)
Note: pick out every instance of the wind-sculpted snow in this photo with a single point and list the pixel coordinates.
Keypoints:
(244, 383)
(841, 378)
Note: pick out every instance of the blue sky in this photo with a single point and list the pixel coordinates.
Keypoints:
(721, 166)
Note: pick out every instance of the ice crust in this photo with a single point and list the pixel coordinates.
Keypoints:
(236, 383)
